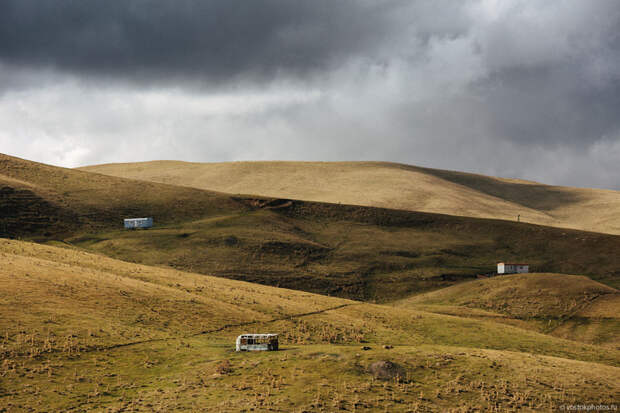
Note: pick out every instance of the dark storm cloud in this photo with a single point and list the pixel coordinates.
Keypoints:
(550, 105)
(208, 40)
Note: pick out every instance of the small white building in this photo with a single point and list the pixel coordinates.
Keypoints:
(133, 223)
(512, 268)
(257, 342)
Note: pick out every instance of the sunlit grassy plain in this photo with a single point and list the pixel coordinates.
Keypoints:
(97, 333)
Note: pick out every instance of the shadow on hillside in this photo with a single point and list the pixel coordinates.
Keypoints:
(22, 212)
(536, 196)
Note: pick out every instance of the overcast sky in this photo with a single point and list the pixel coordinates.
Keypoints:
(527, 89)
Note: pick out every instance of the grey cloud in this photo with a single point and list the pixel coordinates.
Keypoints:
(515, 88)
(207, 40)
(549, 105)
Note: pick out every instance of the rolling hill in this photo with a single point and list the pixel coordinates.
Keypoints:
(393, 186)
(364, 253)
(53, 202)
(567, 306)
(84, 332)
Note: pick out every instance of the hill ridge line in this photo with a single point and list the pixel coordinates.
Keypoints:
(391, 185)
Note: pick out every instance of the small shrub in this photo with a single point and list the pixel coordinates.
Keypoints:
(223, 367)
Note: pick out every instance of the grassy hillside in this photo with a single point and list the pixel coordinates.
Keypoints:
(348, 251)
(98, 334)
(357, 252)
(52, 202)
(568, 306)
(394, 186)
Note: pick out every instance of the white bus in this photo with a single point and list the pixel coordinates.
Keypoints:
(135, 223)
(257, 342)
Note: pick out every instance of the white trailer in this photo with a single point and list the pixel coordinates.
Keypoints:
(257, 342)
(512, 268)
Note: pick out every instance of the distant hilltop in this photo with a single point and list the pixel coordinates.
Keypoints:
(394, 186)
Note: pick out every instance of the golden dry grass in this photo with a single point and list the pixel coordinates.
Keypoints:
(37, 198)
(84, 332)
(80, 331)
(394, 186)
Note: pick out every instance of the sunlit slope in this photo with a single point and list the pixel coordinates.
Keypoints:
(41, 199)
(568, 306)
(70, 292)
(101, 301)
(395, 186)
(81, 332)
